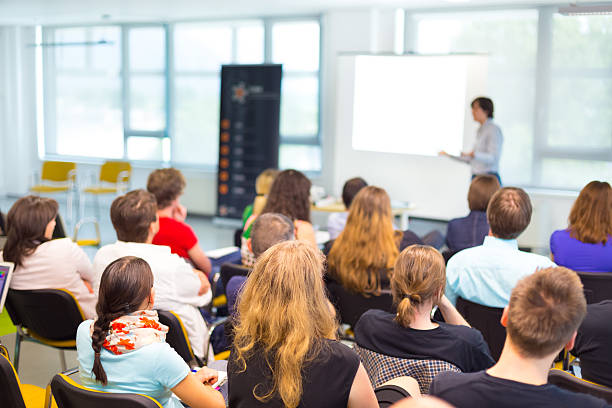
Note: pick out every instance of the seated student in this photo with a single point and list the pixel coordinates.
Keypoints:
(284, 352)
(167, 186)
(544, 313)
(487, 273)
(586, 245)
(337, 221)
(263, 184)
(593, 344)
(43, 263)
(470, 231)
(417, 285)
(125, 350)
(178, 286)
(290, 196)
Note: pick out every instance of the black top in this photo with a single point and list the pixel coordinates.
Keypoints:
(459, 345)
(594, 344)
(467, 390)
(467, 232)
(327, 379)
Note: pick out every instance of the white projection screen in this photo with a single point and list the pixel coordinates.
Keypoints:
(414, 104)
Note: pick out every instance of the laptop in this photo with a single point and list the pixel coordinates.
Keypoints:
(6, 271)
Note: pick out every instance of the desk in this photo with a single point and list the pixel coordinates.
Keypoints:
(398, 209)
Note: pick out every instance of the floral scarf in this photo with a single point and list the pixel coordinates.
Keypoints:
(131, 332)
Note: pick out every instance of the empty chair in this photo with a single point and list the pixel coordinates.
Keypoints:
(114, 178)
(57, 177)
(487, 320)
(567, 381)
(597, 286)
(351, 305)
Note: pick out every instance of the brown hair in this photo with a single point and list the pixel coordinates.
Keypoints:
(350, 190)
(166, 185)
(270, 229)
(590, 220)
(509, 212)
(419, 275)
(367, 247)
(132, 215)
(290, 196)
(25, 224)
(545, 310)
(481, 190)
(263, 184)
(283, 314)
(125, 284)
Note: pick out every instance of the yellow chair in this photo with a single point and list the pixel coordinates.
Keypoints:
(57, 177)
(114, 178)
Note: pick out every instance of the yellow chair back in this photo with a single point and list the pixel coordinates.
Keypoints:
(58, 171)
(111, 172)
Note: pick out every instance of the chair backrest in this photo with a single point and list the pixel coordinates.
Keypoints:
(597, 286)
(10, 392)
(382, 368)
(177, 336)
(53, 314)
(565, 380)
(487, 320)
(351, 305)
(233, 290)
(69, 394)
(58, 171)
(115, 171)
(229, 270)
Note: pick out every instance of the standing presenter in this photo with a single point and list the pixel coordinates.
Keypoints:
(484, 158)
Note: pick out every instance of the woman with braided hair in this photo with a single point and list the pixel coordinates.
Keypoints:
(417, 285)
(125, 350)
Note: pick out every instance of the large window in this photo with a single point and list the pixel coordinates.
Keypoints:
(550, 77)
(151, 92)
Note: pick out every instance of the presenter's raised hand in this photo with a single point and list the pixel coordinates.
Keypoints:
(468, 154)
(442, 153)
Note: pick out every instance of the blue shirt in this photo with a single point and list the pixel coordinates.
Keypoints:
(486, 274)
(581, 256)
(151, 370)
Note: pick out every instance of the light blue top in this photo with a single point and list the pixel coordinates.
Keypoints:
(152, 370)
(486, 274)
(487, 149)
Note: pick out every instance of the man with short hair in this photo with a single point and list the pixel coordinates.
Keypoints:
(178, 287)
(544, 313)
(270, 229)
(487, 273)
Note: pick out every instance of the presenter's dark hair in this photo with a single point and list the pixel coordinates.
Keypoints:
(350, 190)
(509, 212)
(486, 104)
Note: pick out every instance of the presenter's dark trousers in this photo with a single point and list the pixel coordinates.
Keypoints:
(493, 173)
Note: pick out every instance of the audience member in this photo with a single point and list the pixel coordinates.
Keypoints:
(487, 273)
(167, 186)
(43, 263)
(290, 196)
(417, 285)
(337, 221)
(594, 344)
(544, 313)
(178, 286)
(284, 352)
(586, 245)
(470, 231)
(263, 184)
(125, 350)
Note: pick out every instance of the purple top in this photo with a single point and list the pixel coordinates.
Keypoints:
(580, 256)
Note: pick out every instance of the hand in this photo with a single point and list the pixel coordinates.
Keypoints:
(468, 154)
(207, 375)
(179, 213)
(443, 153)
(204, 282)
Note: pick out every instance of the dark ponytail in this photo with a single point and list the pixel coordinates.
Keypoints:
(126, 283)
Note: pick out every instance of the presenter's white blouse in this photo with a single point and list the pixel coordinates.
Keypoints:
(487, 149)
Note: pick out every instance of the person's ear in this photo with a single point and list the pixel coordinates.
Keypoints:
(249, 245)
(504, 318)
(570, 344)
(154, 227)
(49, 229)
(152, 299)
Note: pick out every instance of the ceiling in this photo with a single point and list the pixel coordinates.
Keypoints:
(73, 11)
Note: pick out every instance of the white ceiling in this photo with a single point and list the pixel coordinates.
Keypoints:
(73, 11)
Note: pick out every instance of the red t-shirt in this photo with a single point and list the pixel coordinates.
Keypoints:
(175, 234)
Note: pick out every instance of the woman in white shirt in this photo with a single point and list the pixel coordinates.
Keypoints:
(42, 263)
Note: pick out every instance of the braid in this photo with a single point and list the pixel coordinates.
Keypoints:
(98, 337)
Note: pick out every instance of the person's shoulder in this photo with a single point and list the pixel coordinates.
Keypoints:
(461, 332)
(460, 258)
(576, 399)
(540, 260)
(84, 329)
(338, 352)
(372, 320)
(450, 380)
(58, 244)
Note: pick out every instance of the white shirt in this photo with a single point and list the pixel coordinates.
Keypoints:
(336, 223)
(487, 149)
(58, 264)
(176, 284)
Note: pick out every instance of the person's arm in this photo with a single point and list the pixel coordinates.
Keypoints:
(189, 283)
(83, 265)
(196, 392)
(450, 313)
(204, 282)
(362, 395)
(199, 259)
(493, 146)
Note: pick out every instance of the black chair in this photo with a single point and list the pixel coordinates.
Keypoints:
(597, 286)
(177, 337)
(567, 381)
(14, 394)
(238, 237)
(45, 316)
(229, 270)
(487, 320)
(69, 394)
(351, 306)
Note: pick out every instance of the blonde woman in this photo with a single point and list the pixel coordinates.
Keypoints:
(285, 353)
(362, 257)
(417, 286)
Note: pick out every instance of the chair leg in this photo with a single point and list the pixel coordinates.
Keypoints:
(97, 203)
(17, 350)
(63, 360)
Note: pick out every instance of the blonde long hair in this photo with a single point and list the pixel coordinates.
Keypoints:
(367, 245)
(283, 311)
(263, 184)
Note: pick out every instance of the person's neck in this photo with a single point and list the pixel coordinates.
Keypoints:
(421, 319)
(482, 121)
(516, 367)
(166, 212)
